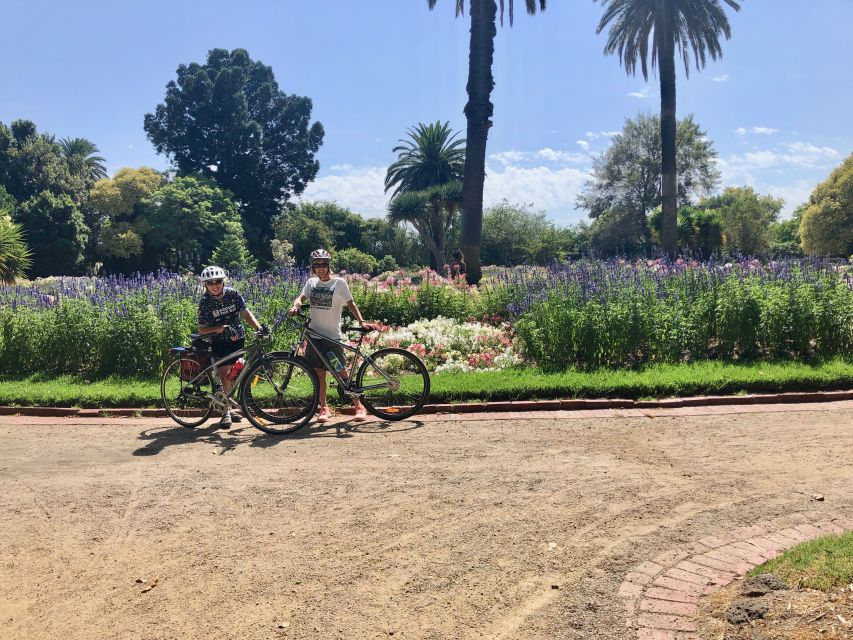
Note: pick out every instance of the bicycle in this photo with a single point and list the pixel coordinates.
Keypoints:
(277, 393)
(392, 383)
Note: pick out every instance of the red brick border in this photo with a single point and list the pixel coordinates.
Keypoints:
(515, 405)
(661, 596)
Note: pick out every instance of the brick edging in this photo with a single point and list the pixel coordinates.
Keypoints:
(498, 406)
(661, 596)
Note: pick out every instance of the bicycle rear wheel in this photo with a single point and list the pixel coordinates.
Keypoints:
(280, 394)
(395, 383)
(187, 404)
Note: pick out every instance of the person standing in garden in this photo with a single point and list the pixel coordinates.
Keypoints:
(327, 294)
(220, 314)
(457, 268)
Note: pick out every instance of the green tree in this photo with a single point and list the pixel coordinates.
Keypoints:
(303, 234)
(745, 217)
(15, 256)
(231, 253)
(344, 226)
(700, 231)
(430, 157)
(380, 237)
(628, 175)
(478, 113)
(785, 235)
(56, 234)
(355, 261)
(433, 213)
(693, 27)
(80, 154)
(228, 120)
(515, 234)
(615, 232)
(183, 222)
(827, 225)
(114, 211)
(32, 162)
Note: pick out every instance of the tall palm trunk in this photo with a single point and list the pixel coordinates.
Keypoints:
(669, 178)
(478, 112)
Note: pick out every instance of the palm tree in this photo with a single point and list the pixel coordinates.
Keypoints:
(80, 155)
(478, 113)
(432, 212)
(15, 256)
(692, 27)
(430, 157)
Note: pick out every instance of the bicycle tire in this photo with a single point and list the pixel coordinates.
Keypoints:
(407, 370)
(199, 410)
(288, 395)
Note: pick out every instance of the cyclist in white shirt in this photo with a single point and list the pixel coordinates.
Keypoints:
(327, 294)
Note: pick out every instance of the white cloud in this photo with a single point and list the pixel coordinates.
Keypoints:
(552, 190)
(594, 135)
(761, 131)
(643, 93)
(723, 78)
(360, 189)
(583, 144)
(507, 158)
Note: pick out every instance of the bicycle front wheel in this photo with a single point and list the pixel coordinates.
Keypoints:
(395, 383)
(187, 404)
(280, 394)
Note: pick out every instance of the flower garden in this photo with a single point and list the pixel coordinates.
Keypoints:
(574, 317)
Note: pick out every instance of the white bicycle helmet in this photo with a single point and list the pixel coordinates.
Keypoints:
(320, 254)
(212, 273)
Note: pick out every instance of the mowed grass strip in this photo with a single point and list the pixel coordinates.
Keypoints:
(658, 381)
(824, 564)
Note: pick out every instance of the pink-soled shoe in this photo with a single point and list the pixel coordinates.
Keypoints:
(323, 414)
(360, 414)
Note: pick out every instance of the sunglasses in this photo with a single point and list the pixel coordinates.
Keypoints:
(214, 282)
(320, 265)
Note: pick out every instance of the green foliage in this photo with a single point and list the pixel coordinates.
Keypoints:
(355, 261)
(515, 235)
(56, 234)
(617, 232)
(15, 256)
(700, 231)
(228, 120)
(80, 154)
(627, 178)
(688, 318)
(431, 156)
(827, 226)
(302, 233)
(433, 212)
(785, 238)
(231, 253)
(387, 263)
(745, 217)
(183, 222)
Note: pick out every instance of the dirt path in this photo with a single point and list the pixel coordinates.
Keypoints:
(521, 527)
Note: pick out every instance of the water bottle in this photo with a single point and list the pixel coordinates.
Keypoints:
(236, 368)
(333, 360)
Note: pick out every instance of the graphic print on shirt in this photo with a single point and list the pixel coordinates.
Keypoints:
(321, 298)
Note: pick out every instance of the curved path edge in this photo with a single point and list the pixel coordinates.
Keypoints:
(500, 406)
(661, 596)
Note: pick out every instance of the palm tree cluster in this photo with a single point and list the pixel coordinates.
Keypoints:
(637, 28)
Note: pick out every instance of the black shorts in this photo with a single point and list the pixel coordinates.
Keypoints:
(325, 346)
(222, 348)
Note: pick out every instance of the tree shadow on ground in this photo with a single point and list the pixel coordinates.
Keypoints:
(228, 440)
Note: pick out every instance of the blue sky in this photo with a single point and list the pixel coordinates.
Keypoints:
(777, 106)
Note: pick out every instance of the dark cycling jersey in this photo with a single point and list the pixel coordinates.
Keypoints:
(213, 312)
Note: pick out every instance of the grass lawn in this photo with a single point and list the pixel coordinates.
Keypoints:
(519, 384)
(821, 564)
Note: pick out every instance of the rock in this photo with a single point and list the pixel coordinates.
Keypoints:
(762, 584)
(817, 497)
(745, 610)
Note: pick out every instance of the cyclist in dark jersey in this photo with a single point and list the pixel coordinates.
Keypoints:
(220, 314)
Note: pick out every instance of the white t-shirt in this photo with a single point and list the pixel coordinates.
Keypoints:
(327, 303)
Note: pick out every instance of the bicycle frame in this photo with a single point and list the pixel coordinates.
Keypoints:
(252, 352)
(345, 384)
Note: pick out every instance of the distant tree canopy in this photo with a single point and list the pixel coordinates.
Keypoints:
(516, 234)
(745, 219)
(627, 177)
(827, 223)
(228, 120)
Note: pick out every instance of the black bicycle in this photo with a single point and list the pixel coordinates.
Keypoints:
(277, 392)
(392, 383)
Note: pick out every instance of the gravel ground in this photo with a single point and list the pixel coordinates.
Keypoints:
(512, 526)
